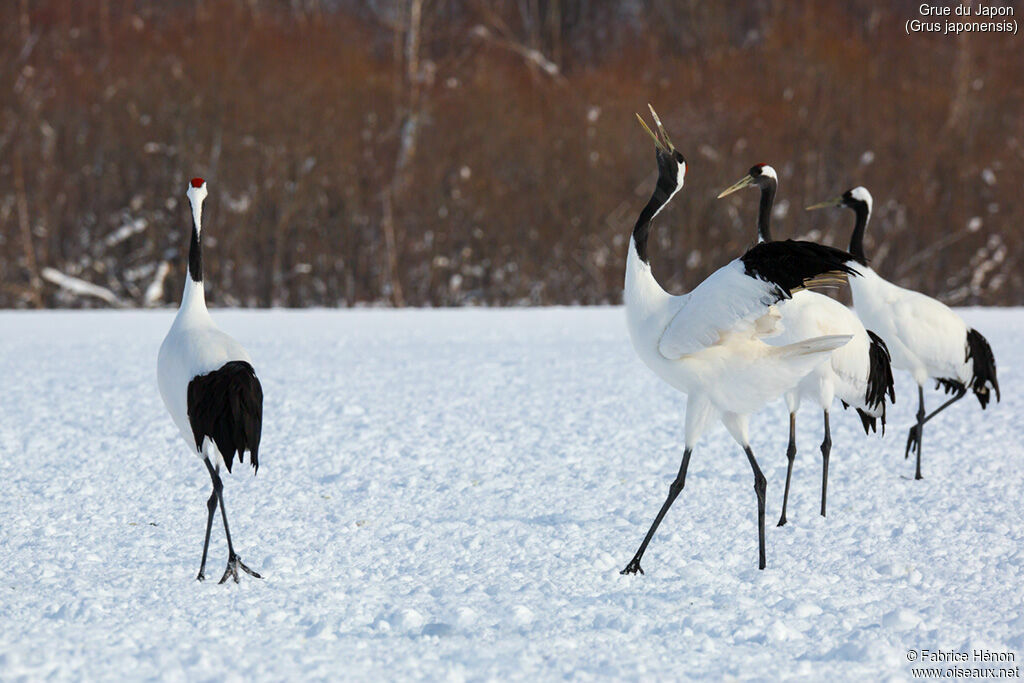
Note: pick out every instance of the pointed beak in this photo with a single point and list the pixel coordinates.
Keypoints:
(835, 201)
(661, 139)
(738, 185)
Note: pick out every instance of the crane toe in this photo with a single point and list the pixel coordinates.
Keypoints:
(913, 441)
(234, 564)
(633, 567)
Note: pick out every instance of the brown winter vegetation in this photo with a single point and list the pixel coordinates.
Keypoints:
(450, 152)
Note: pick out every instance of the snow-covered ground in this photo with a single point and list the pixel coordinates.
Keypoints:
(451, 495)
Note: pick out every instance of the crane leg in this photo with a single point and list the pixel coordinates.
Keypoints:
(211, 507)
(826, 450)
(959, 395)
(759, 489)
(791, 455)
(917, 431)
(234, 561)
(674, 489)
(914, 437)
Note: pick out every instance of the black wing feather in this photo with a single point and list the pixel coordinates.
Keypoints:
(950, 386)
(226, 405)
(869, 421)
(984, 367)
(789, 264)
(880, 380)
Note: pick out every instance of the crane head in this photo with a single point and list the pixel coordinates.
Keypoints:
(196, 190)
(759, 175)
(852, 199)
(196, 193)
(671, 163)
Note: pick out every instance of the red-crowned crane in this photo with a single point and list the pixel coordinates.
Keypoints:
(709, 343)
(859, 373)
(210, 388)
(925, 337)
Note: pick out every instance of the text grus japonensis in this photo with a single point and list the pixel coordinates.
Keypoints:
(209, 387)
(709, 343)
(858, 372)
(925, 337)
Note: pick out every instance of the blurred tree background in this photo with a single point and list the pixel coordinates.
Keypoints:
(453, 152)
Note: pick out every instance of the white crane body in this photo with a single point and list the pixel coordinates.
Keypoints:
(710, 343)
(209, 387)
(924, 336)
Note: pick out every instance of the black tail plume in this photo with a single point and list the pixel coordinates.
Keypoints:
(950, 387)
(226, 405)
(880, 381)
(869, 421)
(984, 367)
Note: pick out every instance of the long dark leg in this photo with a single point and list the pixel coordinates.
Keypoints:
(673, 492)
(917, 431)
(959, 395)
(914, 437)
(791, 455)
(224, 516)
(759, 488)
(234, 562)
(826, 450)
(211, 507)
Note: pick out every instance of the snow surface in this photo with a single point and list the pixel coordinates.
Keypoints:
(450, 495)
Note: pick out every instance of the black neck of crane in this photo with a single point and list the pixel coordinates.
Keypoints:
(857, 239)
(642, 230)
(764, 211)
(195, 257)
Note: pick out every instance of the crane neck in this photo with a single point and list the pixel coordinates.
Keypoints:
(194, 296)
(857, 239)
(663, 192)
(764, 211)
(193, 299)
(643, 295)
(195, 255)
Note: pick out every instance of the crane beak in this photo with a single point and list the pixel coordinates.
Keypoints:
(835, 201)
(661, 139)
(738, 185)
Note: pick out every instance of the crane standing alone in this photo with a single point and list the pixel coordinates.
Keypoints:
(209, 387)
(709, 343)
(859, 372)
(925, 337)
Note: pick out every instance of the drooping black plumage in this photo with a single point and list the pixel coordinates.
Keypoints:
(980, 352)
(949, 386)
(226, 405)
(790, 264)
(869, 421)
(880, 382)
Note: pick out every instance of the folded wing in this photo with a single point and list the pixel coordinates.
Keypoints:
(742, 291)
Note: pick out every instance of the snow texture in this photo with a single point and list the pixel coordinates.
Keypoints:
(450, 495)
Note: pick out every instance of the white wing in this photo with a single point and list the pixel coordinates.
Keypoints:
(188, 351)
(726, 300)
(935, 334)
